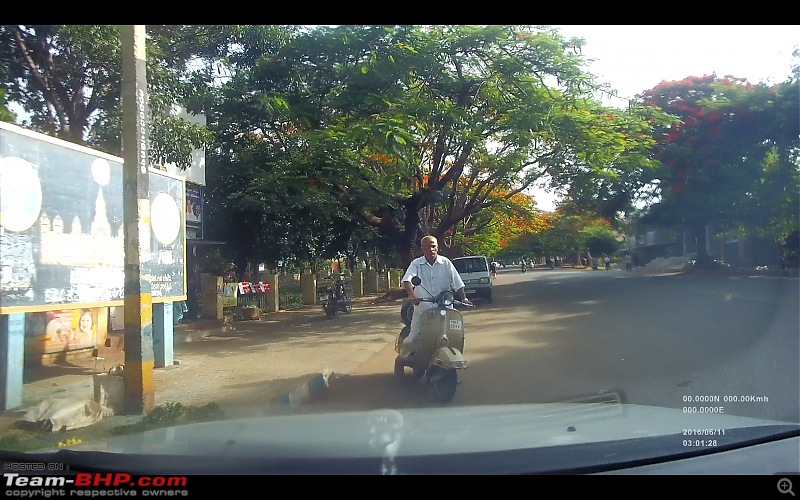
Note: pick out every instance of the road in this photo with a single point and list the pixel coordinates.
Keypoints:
(555, 335)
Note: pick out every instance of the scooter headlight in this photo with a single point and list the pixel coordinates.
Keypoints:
(447, 298)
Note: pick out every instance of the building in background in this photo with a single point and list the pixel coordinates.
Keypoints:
(196, 245)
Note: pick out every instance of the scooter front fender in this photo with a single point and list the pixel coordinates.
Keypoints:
(448, 357)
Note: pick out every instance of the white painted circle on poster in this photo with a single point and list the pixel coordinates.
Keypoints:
(20, 194)
(165, 218)
(101, 171)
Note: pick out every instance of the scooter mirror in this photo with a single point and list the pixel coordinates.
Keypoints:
(416, 281)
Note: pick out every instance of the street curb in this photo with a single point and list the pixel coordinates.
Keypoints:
(314, 386)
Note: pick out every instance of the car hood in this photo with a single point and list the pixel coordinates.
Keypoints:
(581, 434)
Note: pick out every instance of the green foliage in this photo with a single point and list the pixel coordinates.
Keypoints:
(381, 117)
(19, 441)
(323, 134)
(173, 413)
(6, 115)
(599, 240)
(569, 231)
(69, 79)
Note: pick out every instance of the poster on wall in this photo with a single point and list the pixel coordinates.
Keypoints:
(230, 296)
(194, 205)
(56, 331)
(61, 232)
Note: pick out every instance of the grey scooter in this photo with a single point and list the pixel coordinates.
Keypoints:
(439, 348)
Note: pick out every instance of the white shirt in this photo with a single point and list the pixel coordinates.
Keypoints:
(436, 278)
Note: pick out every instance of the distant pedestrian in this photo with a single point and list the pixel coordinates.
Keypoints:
(607, 261)
(628, 262)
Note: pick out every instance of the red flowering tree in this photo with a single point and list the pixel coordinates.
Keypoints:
(713, 161)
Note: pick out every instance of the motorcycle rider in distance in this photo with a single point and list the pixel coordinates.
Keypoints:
(437, 274)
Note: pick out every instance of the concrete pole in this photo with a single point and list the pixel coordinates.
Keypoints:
(139, 358)
(273, 298)
(357, 282)
(12, 359)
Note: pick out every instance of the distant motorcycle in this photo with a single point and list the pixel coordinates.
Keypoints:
(335, 299)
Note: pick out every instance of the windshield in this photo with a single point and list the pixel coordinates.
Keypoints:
(471, 265)
(179, 203)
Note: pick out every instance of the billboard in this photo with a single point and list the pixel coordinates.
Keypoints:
(61, 232)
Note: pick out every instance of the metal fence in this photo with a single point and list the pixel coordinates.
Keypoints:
(252, 299)
(289, 294)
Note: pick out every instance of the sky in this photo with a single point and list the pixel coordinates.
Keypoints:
(635, 58)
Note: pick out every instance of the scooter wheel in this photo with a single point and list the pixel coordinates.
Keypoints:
(443, 382)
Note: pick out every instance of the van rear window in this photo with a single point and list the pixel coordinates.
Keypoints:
(470, 265)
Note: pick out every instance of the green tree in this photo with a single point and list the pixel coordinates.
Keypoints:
(571, 231)
(6, 115)
(68, 78)
(412, 129)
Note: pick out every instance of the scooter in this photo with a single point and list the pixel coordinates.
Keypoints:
(439, 347)
(524, 267)
(334, 299)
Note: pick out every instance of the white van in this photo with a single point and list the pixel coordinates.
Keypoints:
(474, 271)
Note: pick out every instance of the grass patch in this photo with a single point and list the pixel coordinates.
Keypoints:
(170, 414)
(290, 300)
(18, 441)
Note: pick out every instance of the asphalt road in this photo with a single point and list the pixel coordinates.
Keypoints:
(708, 343)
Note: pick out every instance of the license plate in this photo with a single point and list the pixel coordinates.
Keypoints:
(470, 292)
(455, 324)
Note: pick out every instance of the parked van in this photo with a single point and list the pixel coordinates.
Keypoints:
(474, 271)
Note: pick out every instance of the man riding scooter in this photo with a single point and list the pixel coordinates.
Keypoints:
(437, 273)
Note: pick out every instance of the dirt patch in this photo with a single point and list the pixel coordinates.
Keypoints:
(392, 295)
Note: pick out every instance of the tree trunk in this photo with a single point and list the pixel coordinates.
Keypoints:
(699, 232)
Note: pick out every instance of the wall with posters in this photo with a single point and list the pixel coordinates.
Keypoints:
(61, 233)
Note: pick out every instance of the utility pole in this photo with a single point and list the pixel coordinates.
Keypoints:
(139, 357)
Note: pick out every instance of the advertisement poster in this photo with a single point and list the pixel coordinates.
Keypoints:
(166, 268)
(56, 331)
(230, 295)
(61, 226)
(194, 205)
